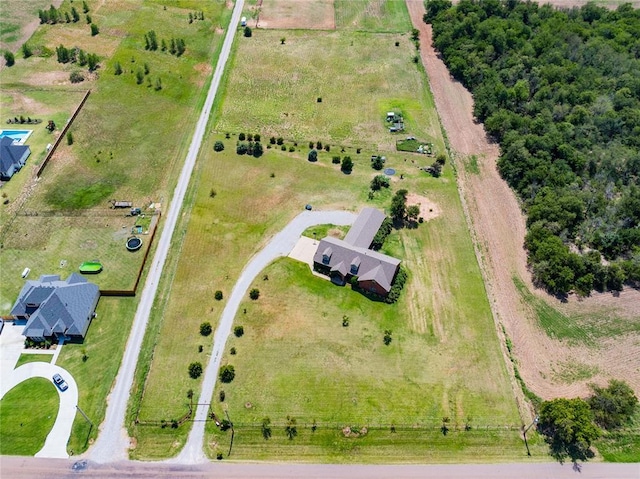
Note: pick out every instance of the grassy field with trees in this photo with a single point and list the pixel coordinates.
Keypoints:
(558, 90)
(128, 143)
(238, 201)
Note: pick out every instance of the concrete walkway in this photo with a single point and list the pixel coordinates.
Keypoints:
(55, 445)
(281, 245)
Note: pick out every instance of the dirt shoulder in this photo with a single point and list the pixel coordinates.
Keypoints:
(498, 228)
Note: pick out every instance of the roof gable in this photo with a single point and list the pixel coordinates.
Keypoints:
(365, 227)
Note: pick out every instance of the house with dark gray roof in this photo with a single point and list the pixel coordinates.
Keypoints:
(343, 260)
(12, 157)
(55, 309)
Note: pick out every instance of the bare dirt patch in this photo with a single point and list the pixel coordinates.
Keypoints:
(297, 14)
(428, 209)
(498, 228)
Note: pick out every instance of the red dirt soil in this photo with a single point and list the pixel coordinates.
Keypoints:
(498, 227)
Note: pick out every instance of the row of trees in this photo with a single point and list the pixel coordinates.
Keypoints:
(54, 15)
(560, 91)
(77, 55)
(176, 46)
(571, 425)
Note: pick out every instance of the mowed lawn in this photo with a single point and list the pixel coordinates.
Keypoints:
(27, 414)
(274, 89)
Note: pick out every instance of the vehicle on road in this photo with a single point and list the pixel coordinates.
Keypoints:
(61, 383)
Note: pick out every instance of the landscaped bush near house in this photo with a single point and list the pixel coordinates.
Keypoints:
(396, 287)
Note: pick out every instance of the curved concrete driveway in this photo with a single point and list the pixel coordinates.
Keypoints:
(279, 246)
(56, 443)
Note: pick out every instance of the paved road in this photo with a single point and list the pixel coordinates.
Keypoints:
(55, 446)
(112, 442)
(27, 467)
(279, 246)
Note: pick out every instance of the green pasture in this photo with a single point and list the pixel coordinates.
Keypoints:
(103, 347)
(273, 89)
(320, 231)
(378, 446)
(27, 414)
(388, 16)
(16, 15)
(579, 328)
(33, 358)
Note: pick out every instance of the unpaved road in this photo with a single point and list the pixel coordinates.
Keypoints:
(27, 468)
(498, 227)
(281, 245)
(112, 443)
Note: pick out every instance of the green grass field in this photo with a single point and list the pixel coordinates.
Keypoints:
(444, 359)
(359, 77)
(27, 414)
(33, 358)
(389, 16)
(584, 329)
(16, 15)
(103, 347)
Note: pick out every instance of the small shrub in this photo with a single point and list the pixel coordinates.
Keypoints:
(318, 145)
(205, 328)
(335, 160)
(219, 456)
(227, 373)
(254, 294)
(283, 147)
(319, 99)
(94, 30)
(327, 147)
(242, 137)
(222, 395)
(247, 32)
(26, 50)
(238, 331)
(312, 156)
(232, 351)
(218, 146)
(256, 137)
(242, 149)
(280, 141)
(292, 149)
(9, 58)
(272, 140)
(347, 165)
(227, 135)
(218, 295)
(387, 337)
(311, 145)
(69, 138)
(397, 44)
(117, 69)
(195, 370)
(200, 348)
(212, 193)
(250, 137)
(139, 77)
(76, 77)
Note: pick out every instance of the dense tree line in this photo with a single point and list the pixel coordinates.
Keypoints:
(559, 89)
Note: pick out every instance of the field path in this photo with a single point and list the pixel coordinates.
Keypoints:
(113, 442)
(281, 245)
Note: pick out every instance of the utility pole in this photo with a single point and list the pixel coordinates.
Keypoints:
(524, 433)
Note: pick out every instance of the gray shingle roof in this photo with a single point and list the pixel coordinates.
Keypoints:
(63, 307)
(12, 156)
(373, 265)
(365, 227)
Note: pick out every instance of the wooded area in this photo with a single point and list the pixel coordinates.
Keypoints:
(559, 89)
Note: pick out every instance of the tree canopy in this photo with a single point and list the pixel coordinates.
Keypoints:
(559, 89)
(568, 427)
(614, 405)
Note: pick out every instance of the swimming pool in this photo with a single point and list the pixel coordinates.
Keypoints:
(18, 135)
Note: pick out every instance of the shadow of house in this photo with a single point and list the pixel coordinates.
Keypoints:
(12, 157)
(54, 309)
(351, 260)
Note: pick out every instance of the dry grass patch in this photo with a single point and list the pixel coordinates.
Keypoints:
(297, 14)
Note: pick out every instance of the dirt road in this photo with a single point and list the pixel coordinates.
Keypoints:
(498, 227)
